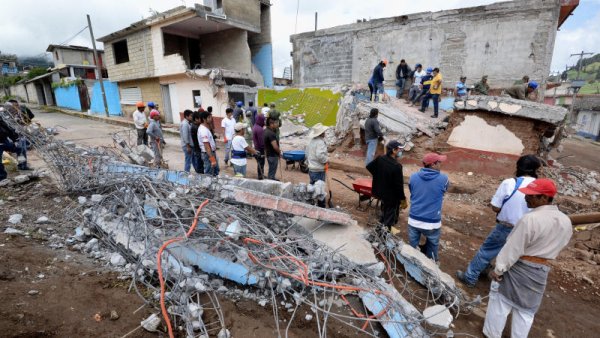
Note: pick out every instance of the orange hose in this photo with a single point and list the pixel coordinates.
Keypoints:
(163, 307)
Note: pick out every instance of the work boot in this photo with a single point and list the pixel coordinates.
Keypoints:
(433, 116)
(463, 279)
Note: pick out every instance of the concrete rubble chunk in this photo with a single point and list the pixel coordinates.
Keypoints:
(117, 260)
(96, 198)
(81, 199)
(15, 218)
(151, 323)
(42, 220)
(21, 179)
(13, 231)
(438, 316)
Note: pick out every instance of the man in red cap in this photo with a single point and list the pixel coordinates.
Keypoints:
(521, 272)
(427, 188)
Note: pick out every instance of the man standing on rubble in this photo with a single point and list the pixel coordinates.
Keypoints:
(141, 123)
(187, 144)
(8, 138)
(425, 85)
(373, 134)
(402, 73)
(317, 156)
(197, 152)
(435, 90)
(377, 79)
(427, 188)
(388, 183)
(461, 88)
(156, 137)
(228, 123)
(522, 266)
(272, 149)
(208, 145)
(509, 205)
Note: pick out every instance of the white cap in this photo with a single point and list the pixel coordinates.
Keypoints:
(239, 126)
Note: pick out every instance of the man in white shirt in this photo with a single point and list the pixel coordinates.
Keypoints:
(207, 145)
(415, 88)
(509, 205)
(239, 148)
(522, 266)
(228, 123)
(141, 123)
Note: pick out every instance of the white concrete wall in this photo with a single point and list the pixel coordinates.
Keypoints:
(588, 122)
(19, 90)
(475, 133)
(74, 57)
(184, 86)
(165, 65)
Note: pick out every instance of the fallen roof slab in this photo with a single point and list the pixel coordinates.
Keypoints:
(513, 107)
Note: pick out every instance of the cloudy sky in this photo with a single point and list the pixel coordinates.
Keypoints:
(33, 24)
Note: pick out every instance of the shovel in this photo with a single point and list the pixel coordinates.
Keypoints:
(330, 201)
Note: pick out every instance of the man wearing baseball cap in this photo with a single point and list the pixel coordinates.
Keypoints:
(388, 183)
(427, 188)
(141, 123)
(521, 272)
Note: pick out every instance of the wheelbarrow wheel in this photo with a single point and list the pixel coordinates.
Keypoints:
(304, 167)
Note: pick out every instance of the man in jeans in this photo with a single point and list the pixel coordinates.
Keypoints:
(427, 188)
(378, 79)
(141, 123)
(415, 88)
(509, 205)
(228, 123)
(208, 145)
(272, 149)
(197, 152)
(373, 134)
(317, 156)
(402, 74)
(187, 144)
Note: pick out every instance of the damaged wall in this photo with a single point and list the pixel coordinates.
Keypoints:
(503, 40)
(261, 47)
(226, 49)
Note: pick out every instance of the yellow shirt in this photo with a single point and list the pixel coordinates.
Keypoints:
(436, 84)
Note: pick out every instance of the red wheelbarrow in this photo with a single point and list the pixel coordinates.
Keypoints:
(364, 188)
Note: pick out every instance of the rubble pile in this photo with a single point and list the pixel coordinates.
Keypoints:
(182, 236)
(576, 181)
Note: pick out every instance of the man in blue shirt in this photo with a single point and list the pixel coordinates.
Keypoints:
(461, 88)
(377, 79)
(427, 188)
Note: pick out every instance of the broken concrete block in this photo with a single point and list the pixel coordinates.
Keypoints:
(13, 231)
(21, 179)
(81, 200)
(438, 316)
(91, 245)
(117, 260)
(151, 323)
(96, 198)
(33, 292)
(15, 219)
(42, 220)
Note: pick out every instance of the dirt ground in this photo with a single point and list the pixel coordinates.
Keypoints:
(74, 288)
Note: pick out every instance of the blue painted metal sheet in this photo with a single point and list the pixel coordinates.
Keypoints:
(112, 99)
(67, 97)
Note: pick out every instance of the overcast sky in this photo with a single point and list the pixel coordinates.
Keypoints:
(33, 24)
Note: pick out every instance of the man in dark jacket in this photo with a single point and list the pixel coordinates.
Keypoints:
(402, 73)
(197, 152)
(388, 183)
(258, 134)
(8, 137)
(377, 78)
(373, 134)
(427, 189)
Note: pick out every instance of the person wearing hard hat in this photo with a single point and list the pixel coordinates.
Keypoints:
(153, 107)
(238, 112)
(521, 91)
(156, 136)
(377, 78)
(317, 156)
(141, 123)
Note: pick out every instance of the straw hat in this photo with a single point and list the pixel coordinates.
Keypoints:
(317, 130)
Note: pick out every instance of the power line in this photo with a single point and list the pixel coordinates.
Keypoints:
(73, 37)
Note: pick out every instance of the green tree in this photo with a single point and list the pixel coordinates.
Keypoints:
(36, 71)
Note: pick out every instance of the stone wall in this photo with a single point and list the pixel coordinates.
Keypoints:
(141, 62)
(503, 40)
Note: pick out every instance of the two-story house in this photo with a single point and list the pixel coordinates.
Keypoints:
(76, 61)
(208, 55)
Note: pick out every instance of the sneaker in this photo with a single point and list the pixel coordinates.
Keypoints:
(461, 277)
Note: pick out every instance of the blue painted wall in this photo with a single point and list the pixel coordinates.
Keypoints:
(67, 97)
(112, 99)
(263, 60)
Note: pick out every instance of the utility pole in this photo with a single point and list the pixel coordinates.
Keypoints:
(576, 88)
(316, 16)
(98, 68)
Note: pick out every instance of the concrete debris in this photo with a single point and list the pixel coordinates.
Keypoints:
(513, 107)
(151, 323)
(33, 292)
(81, 200)
(21, 179)
(96, 198)
(15, 219)
(117, 260)
(308, 317)
(42, 220)
(438, 316)
(13, 231)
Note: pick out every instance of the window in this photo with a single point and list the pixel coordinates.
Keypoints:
(197, 98)
(131, 95)
(120, 51)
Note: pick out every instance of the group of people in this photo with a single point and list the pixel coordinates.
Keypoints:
(529, 231)
(522, 90)
(10, 140)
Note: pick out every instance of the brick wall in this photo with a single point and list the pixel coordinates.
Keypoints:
(141, 62)
(150, 92)
(226, 49)
(504, 40)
